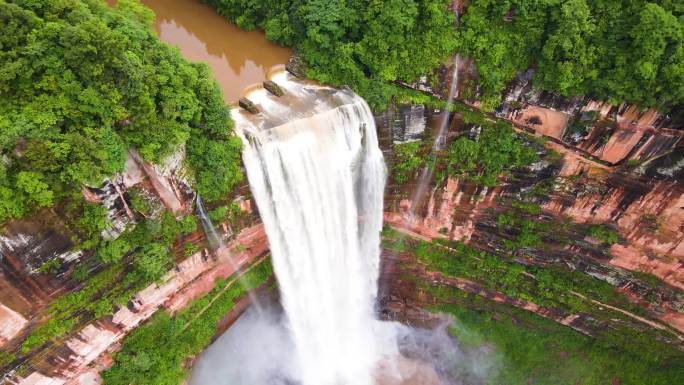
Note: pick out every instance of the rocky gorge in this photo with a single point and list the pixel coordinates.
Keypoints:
(589, 236)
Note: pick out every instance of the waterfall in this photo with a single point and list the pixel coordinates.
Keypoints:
(439, 143)
(215, 241)
(222, 252)
(317, 175)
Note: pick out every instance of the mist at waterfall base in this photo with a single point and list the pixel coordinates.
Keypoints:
(258, 350)
(317, 176)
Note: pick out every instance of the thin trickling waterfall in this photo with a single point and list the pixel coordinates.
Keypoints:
(221, 251)
(440, 140)
(215, 241)
(317, 176)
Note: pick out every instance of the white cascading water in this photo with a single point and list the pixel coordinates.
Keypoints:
(317, 175)
(439, 142)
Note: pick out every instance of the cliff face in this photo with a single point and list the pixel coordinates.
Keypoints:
(71, 361)
(613, 134)
(28, 291)
(644, 207)
(27, 245)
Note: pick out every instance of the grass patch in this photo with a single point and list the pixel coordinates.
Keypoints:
(533, 350)
(605, 234)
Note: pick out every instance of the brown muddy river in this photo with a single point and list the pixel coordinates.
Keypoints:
(238, 58)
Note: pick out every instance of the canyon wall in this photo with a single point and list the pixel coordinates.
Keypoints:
(644, 206)
(27, 290)
(79, 358)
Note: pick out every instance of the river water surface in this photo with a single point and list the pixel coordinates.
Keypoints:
(238, 58)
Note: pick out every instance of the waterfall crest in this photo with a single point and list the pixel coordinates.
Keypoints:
(317, 175)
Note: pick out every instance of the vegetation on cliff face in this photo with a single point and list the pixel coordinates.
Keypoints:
(549, 286)
(497, 150)
(363, 44)
(525, 347)
(138, 257)
(490, 150)
(609, 49)
(156, 352)
(407, 161)
(531, 349)
(82, 82)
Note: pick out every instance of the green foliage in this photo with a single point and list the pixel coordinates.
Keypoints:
(217, 162)
(218, 214)
(497, 150)
(50, 267)
(155, 353)
(113, 251)
(365, 45)
(190, 248)
(35, 189)
(578, 128)
(632, 163)
(407, 160)
(523, 222)
(567, 58)
(604, 234)
(141, 202)
(93, 221)
(6, 358)
(47, 331)
(549, 286)
(148, 246)
(81, 82)
(530, 349)
(608, 49)
(152, 260)
(80, 273)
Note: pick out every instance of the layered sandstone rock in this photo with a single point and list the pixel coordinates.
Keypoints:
(195, 275)
(11, 323)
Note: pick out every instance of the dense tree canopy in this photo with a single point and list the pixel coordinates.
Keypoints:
(79, 83)
(364, 44)
(610, 49)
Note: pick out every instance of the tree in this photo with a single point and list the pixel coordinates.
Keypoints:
(113, 251)
(497, 150)
(567, 59)
(217, 165)
(407, 161)
(152, 260)
(36, 190)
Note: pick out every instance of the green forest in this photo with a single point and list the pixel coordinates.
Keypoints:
(81, 83)
(366, 45)
(608, 49)
(612, 50)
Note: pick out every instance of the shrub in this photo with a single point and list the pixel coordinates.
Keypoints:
(604, 234)
(407, 161)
